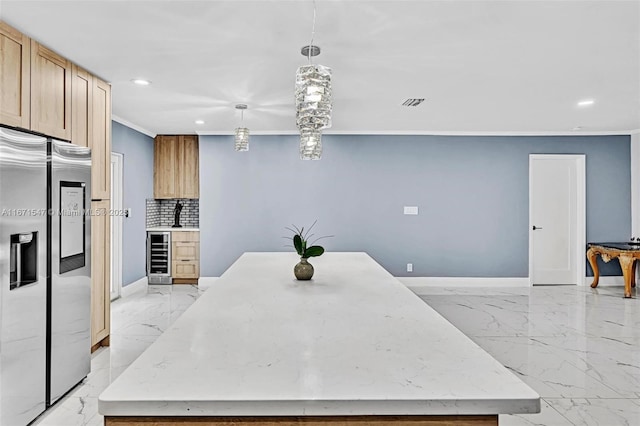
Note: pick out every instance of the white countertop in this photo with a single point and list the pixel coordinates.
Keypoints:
(168, 228)
(353, 341)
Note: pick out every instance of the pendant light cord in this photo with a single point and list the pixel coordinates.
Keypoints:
(313, 30)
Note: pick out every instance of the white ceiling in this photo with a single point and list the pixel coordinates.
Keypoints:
(483, 66)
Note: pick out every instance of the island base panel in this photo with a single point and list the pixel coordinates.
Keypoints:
(491, 420)
(185, 281)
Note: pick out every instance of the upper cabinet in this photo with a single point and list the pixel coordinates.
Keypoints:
(188, 167)
(100, 142)
(42, 91)
(91, 127)
(165, 164)
(50, 92)
(176, 172)
(81, 106)
(15, 72)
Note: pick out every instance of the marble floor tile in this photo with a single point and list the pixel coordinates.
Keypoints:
(576, 346)
(546, 370)
(598, 412)
(613, 361)
(137, 321)
(548, 416)
(71, 411)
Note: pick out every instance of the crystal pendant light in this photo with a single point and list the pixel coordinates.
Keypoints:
(313, 100)
(310, 144)
(313, 96)
(242, 133)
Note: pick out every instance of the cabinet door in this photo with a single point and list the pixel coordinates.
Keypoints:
(50, 92)
(188, 167)
(100, 142)
(15, 70)
(185, 269)
(81, 106)
(165, 158)
(100, 271)
(185, 251)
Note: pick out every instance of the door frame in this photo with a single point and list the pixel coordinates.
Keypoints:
(581, 213)
(117, 201)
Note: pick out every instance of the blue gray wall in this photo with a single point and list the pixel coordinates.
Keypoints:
(138, 186)
(472, 193)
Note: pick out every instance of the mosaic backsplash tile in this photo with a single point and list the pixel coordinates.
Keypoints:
(160, 212)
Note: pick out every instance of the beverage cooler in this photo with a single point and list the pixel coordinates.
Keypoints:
(159, 257)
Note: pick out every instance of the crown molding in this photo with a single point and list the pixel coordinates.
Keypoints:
(433, 133)
(132, 126)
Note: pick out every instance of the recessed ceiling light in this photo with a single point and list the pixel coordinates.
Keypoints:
(199, 121)
(586, 102)
(141, 82)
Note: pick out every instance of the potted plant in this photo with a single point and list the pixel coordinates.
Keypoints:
(304, 270)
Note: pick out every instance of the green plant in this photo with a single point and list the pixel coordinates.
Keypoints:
(301, 242)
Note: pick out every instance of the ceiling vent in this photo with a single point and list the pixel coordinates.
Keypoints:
(413, 102)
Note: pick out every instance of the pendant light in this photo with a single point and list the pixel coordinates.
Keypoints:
(313, 100)
(242, 133)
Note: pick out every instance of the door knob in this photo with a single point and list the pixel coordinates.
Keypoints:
(536, 227)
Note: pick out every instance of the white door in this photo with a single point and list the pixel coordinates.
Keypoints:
(116, 224)
(556, 219)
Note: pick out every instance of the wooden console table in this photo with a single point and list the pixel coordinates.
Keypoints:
(627, 255)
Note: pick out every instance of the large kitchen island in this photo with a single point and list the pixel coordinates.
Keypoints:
(353, 345)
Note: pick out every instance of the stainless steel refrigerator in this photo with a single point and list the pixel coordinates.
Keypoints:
(45, 272)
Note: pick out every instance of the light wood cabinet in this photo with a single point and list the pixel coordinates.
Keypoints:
(165, 163)
(188, 168)
(100, 142)
(50, 92)
(185, 257)
(176, 172)
(81, 106)
(15, 77)
(91, 127)
(100, 273)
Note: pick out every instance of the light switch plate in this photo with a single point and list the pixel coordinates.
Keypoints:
(410, 209)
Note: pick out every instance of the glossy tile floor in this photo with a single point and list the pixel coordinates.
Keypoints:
(579, 348)
(136, 322)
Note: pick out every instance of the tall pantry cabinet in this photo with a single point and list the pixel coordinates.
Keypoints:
(45, 92)
(91, 127)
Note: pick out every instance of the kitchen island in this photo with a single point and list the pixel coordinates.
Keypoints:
(353, 345)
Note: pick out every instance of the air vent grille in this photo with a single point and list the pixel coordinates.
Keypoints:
(413, 102)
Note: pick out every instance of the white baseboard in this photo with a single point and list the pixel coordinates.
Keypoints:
(134, 287)
(418, 282)
(606, 281)
(415, 284)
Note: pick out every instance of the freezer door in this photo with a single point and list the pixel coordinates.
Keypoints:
(23, 268)
(70, 306)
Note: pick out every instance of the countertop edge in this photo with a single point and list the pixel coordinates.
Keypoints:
(318, 408)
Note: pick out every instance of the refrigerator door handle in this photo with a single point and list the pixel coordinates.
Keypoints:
(148, 254)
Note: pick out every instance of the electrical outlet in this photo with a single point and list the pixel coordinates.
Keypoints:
(412, 210)
(409, 267)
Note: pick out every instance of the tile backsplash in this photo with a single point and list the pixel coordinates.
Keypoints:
(160, 212)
